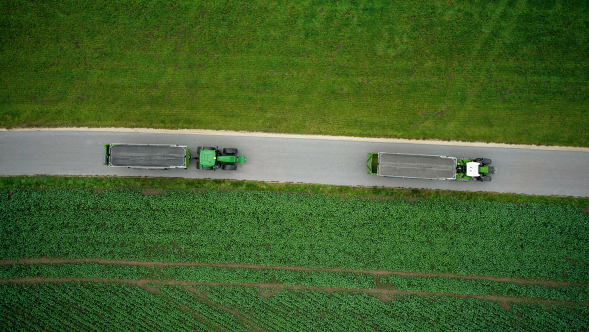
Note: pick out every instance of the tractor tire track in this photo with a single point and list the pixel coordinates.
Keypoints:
(375, 273)
(142, 283)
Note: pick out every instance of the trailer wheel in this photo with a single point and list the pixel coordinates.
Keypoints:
(230, 151)
(229, 167)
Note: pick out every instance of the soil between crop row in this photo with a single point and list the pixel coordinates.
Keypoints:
(381, 294)
(46, 260)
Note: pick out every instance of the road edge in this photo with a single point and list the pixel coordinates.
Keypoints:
(299, 136)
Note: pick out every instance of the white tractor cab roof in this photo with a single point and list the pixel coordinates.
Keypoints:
(472, 169)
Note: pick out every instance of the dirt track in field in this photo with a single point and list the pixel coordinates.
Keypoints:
(375, 273)
(381, 294)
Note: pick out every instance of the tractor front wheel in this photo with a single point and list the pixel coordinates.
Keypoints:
(229, 151)
(229, 167)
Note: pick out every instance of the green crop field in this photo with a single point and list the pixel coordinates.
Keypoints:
(115, 307)
(122, 259)
(482, 238)
(512, 71)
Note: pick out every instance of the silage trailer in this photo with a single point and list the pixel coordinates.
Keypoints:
(432, 167)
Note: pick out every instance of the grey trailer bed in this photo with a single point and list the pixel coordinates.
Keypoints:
(401, 165)
(154, 156)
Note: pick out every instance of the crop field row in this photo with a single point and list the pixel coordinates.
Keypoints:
(161, 185)
(121, 259)
(166, 307)
(282, 278)
(504, 71)
(44, 261)
(280, 229)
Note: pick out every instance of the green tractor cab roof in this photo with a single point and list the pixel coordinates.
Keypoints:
(208, 158)
(214, 158)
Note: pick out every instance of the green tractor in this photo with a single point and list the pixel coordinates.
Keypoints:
(475, 169)
(212, 158)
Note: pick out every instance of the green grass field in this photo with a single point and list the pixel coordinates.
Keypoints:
(503, 71)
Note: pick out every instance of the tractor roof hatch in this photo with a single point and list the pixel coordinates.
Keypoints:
(472, 169)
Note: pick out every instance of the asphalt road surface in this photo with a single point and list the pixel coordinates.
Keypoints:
(335, 162)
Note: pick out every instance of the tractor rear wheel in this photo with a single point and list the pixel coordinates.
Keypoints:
(229, 151)
(229, 167)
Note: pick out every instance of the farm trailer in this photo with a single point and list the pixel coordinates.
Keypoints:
(420, 166)
(145, 156)
(166, 156)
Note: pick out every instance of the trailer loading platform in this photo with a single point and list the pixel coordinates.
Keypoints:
(149, 156)
(412, 166)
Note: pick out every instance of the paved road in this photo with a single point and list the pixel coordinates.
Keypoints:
(540, 172)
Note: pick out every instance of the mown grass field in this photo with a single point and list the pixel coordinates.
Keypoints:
(156, 258)
(512, 71)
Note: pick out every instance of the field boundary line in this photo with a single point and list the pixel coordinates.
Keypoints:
(376, 291)
(44, 260)
(312, 137)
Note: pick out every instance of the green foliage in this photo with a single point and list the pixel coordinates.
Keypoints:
(514, 72)
(101, 307)
(284, 277)
(485, 287)
(334, 280)
(339, 311)
(114, 307)
(264, 228)
(79, 270)
(139, 183)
